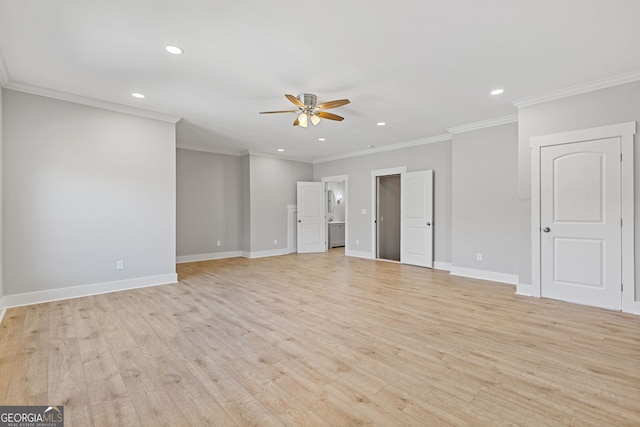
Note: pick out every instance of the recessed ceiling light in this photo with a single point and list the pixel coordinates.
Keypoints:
(281, 149)
(497, 91)
(174, 50)
(381, 124)
(322, 139)
(137, 95)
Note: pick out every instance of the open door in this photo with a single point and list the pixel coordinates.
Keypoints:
(311, 220)
(417, 218)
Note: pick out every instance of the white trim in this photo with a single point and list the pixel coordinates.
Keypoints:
(398, 146)
(265, 254)
(494, 276)
(388, 171)
(624, 131)
(38, 297)
(92, 102)
(336, 178)
(579, 89)
(601, 132)
(212, 150)
(2, 310)
(4, 78)
(526, 289)
(358, 254)
(373, 213)
(439, 265)
(207, 257)
(484, 124)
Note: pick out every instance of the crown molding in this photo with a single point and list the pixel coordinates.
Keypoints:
(91, 102)
(391, 147)
(4, 71)
(579, 89)
(484, 124)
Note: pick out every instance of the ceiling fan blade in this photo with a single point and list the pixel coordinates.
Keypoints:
(281, 111)
(329, 116)
(295, 101)
(333, 104)
(296, 122)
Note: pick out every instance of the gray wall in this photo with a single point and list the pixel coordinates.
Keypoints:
(273, 187)
(245, 184)
(484, 205)
(84, 187)
(618, 104)
(436, 156)
(209, 202)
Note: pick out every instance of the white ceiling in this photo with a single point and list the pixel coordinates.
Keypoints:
(421, 66)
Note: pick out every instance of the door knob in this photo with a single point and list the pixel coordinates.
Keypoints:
(428, 224)
(299, 220)
(546, 229)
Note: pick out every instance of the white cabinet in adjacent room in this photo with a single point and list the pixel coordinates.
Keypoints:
(336, 234)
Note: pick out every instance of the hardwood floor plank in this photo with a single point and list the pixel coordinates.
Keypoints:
(323, 339)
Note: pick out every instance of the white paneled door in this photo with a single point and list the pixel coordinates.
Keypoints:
(580, 212)
(416, 246)
(311, 221)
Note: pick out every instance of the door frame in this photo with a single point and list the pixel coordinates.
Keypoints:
(345, 198)
(625, 132)
(374, 202)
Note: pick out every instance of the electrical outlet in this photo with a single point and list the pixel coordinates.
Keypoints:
(120, 264)
(275, 241)
(478, 257)
(358, 242)
(218, 243)
(364, 211)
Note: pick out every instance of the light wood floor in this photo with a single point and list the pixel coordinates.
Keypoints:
(309, 340)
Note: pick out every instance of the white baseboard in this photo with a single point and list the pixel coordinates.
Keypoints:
(38, 297)
(358, 254)
(2, 311)
(207, 257)
(439, 265)
(264, 254)
(494, 276)
(528, 290)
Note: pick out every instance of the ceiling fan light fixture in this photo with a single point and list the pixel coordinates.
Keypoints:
(315, 119)
(303, 120)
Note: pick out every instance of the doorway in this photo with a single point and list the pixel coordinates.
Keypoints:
(582, 210)
(388, 190)
(416, 216)
(337, 212)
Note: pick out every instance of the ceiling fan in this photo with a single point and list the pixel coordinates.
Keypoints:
(310, 110)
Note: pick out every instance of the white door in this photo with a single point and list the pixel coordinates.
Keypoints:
(580, 216)
(417, 218)
(311, 223)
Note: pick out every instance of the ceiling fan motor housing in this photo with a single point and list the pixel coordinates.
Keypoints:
(308, 99)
